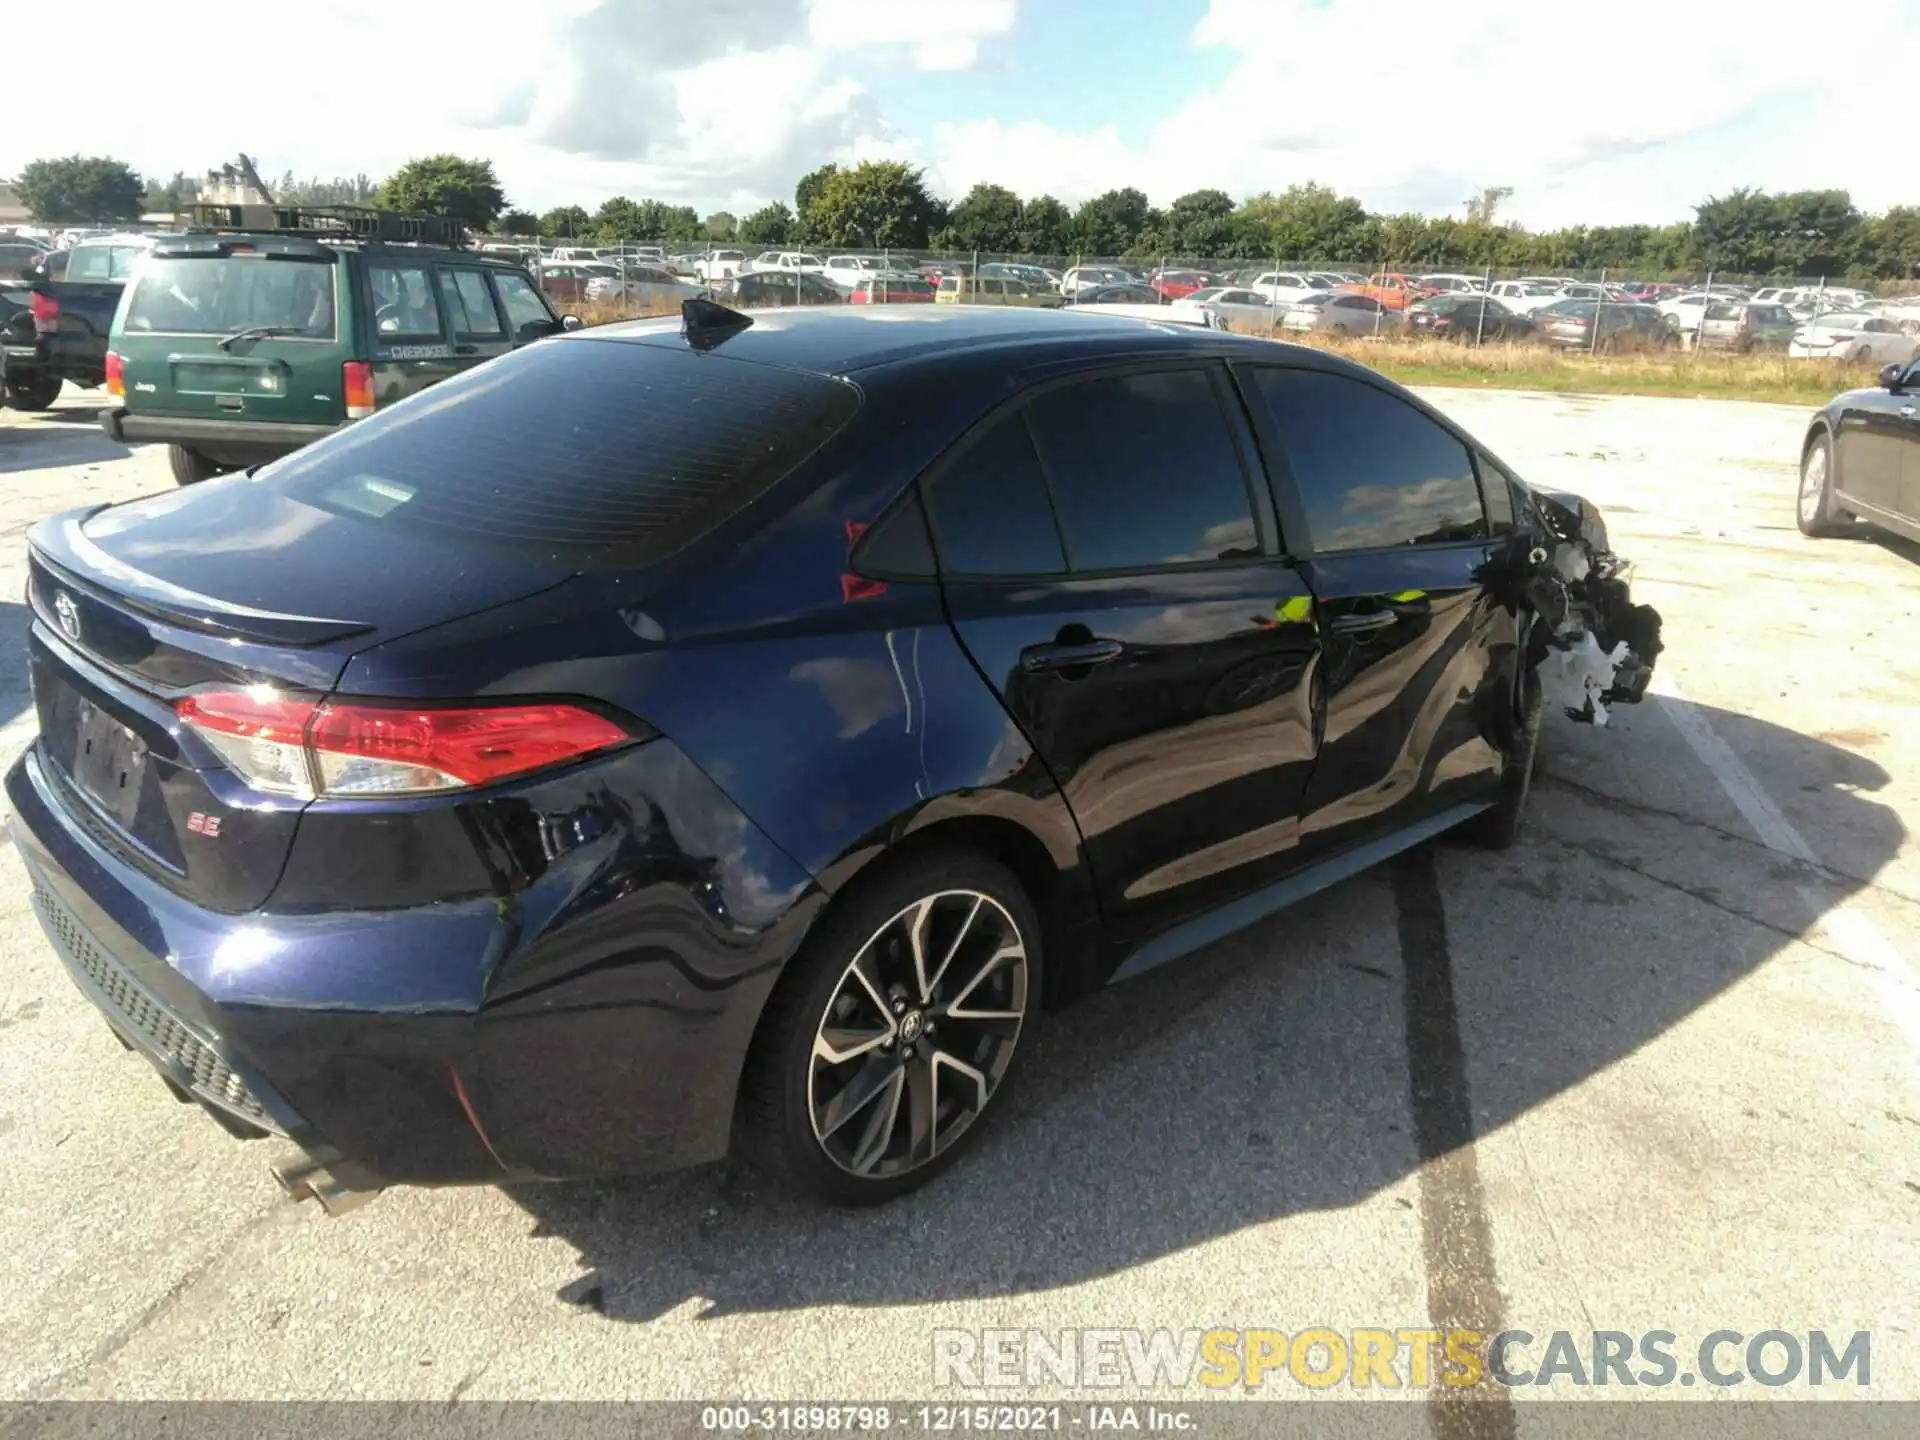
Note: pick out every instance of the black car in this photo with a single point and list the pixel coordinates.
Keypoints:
(1472, 319)
(1860, 460)
(1120, 295)
(733, 734)
(761, 288)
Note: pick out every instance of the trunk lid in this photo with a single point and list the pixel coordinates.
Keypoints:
(232, 583)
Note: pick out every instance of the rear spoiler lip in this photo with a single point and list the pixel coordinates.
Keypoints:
(61, 545)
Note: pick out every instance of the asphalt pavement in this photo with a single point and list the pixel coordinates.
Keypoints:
(1656, 1069)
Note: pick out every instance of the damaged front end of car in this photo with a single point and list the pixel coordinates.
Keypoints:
(1591, 646)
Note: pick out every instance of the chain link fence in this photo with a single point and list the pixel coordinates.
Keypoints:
(1622, 310)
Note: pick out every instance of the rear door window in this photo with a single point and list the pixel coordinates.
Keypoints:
(1371, 470)
(404, 307)
(1143, 471)
(990, 510)
(469, 304)
(222, 295)
(585, 449)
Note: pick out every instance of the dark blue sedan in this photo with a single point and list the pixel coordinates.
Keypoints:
(679, 738)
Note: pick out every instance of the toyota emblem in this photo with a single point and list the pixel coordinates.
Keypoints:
(69, 614)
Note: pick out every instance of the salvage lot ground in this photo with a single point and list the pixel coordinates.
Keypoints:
(1685, 1008)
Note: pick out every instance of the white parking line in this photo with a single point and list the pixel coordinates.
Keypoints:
(1853, 934)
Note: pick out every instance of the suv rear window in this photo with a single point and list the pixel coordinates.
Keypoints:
(217, 295)
(584, 447)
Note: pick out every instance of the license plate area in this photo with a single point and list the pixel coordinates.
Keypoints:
(109, 762)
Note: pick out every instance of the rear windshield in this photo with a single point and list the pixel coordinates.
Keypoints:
(219, 295)
(594, 451)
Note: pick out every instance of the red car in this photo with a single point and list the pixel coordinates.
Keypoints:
(1178, 284)
(891, 290)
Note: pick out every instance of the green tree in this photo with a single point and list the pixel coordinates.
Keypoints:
(804, 194)
(721, 225)
(517, 222)
(568, 221)
(1890, 244)
(1310, 223)
(446, 185)
(79, 188)
(769, 225)
(878, 203)
(175, 195)
(1046, 226)
(1200, 225)
(987, 218)
(1108, 224)
(290, 189)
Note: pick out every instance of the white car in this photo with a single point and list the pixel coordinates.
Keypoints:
(788, 262)
(1286, 286)
(1458, 284)
(1525, 296)
(1342, 313)
(847, 271)
(641, 285)
(720, 265)
(1092, 277)
(1854, 337)
(1685, 312)
(1244, 310)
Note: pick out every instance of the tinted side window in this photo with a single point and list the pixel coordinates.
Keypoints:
(476, 301)
(1371, 470)
(1496, 489)
(403, 303)
(990, 510)
(1144, 471)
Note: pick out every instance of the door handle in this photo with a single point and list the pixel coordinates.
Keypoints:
(466, 349)
(1038, 659)
(1362, 623)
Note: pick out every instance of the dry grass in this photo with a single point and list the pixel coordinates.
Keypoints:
(595, 314)
(1513, 366)
(1712, 374)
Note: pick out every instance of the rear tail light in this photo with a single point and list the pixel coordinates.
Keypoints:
(46, 312)
(356, 379)
(298, 746)
(116, 375)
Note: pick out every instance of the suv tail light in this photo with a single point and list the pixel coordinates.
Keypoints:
(116, 375)
(295, 745)
(356, 379)
(46, 312)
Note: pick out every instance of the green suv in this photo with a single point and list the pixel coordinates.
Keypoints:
(236, 346)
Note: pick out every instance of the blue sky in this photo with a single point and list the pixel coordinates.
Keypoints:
(1629, 113)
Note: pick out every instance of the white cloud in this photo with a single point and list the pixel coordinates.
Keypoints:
(1592, 116)
(1633, 112)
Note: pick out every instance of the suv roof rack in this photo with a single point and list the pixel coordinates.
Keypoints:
(331, 222)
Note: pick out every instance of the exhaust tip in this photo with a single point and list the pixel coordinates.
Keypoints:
(308, 1177)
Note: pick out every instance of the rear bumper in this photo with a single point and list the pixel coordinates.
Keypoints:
(593, 1022)
(223, 435)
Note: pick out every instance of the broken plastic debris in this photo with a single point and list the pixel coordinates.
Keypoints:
(1577, 677)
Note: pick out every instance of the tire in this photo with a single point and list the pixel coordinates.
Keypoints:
(981, 949)
(190, 467)
(1814, 508)
(1499, 828)
(36, 393)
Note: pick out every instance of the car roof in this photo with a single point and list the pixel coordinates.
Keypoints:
(843, 340)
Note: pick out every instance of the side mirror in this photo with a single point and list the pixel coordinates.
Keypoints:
(572, 322)
(1891, 375)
